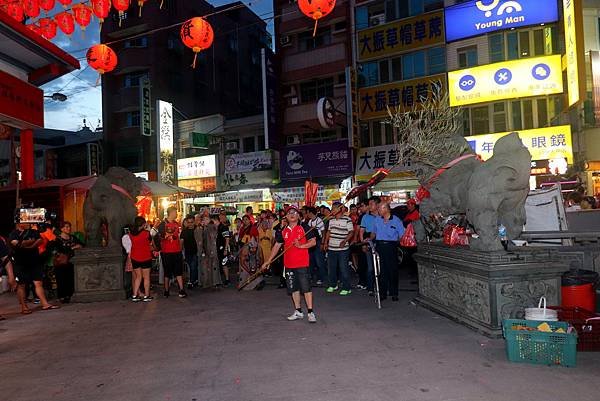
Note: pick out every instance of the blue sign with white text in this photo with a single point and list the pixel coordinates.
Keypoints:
(474, 18)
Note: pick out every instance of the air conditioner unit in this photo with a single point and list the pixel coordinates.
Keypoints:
(293, 140)
(285, 40)
(378, 19)
(294, 101)
(231, 145)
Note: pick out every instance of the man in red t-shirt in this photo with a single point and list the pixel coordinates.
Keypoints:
(296, 239)
(170, 251)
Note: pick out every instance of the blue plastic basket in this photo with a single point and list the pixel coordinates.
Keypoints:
(538, 347)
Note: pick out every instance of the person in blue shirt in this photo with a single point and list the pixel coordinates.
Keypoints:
(367, 222)
(387, 231)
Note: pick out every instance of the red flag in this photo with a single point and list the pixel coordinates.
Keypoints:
(310, 193)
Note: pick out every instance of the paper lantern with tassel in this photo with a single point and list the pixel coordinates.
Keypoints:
(197, 34)
(31, 8)
(101, 9)
(82, 15)
(47, 5)
(140, 5)
(65, 22)
(121, 6)
(101, 58)
(65, 3)
(15, 10)
(316, 9)
(48, 28)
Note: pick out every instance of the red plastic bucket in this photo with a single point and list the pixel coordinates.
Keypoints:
(579, 296)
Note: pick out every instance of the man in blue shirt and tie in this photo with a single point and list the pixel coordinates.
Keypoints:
(387, 231)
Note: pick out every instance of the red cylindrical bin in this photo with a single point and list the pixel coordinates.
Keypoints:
(582, 296)
(578, 289)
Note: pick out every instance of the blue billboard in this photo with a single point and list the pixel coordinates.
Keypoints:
(474, 18)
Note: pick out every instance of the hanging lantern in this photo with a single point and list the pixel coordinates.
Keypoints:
(101, 58)
(161, 4)
(101, 9)
(65, 22)
(35, 28)
(31, 8)
(47, 5)
(82, 15)
(121, 6)
(65, 3)
(15, 10)
(140, 5)
(197, 34)
(316, 9)
(48, 28)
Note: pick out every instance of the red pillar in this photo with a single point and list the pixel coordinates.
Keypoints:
(27, 157)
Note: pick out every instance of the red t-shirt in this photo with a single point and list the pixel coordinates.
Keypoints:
(295, 258)
(141, 251)
(169, 237)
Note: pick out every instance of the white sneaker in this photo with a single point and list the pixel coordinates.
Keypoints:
(296, 316)
(312, 318)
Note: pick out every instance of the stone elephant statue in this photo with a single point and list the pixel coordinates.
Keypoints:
(111, 201)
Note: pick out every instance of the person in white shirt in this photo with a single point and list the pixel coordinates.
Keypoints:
(340, 231)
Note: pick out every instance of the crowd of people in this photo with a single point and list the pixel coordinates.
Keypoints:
(304, 247)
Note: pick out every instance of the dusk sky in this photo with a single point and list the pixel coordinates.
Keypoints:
(84, 97)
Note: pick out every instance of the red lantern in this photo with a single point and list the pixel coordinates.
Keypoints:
(82, 15)
(316, 9)
(66, 23)
(101, 9)
(15, 10)
(65, 3)
(31, 8)
(47, 5)
(101, 58)
(121, 6)
(197, 34)
(140, 5)
(48, 28)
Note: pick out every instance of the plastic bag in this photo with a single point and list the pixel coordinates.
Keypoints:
(408, 239)
(455, 235)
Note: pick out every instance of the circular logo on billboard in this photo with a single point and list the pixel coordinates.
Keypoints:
(295, 160)
(503, 76)
(229, 164)
(466, 83)
(540, 71)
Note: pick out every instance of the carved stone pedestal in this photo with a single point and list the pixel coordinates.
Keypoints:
(98, 275)
(479, 289)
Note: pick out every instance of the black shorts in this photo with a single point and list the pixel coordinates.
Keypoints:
(141, 265)
(298, 280)
(28, 274)
(172, 264)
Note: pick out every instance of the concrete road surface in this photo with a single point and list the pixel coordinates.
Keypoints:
(235, 346)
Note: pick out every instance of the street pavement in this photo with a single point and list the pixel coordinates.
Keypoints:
(227, 345)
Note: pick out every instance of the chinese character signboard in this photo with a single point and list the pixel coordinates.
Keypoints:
(506, 80)
(318, 160)
(197, 167)
(21, 101)
(94, 159)
(269, 81)
(146, 108)
(205, 185)
(543, 143)
(573, 38)
(405, 94)
(240, 197)
(369, 160)
(400, 36)
(474, 18)
(247, 162)
(166, 165)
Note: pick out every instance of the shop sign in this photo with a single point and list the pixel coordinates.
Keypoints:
(239, 197)
(203, 185)
(369, 160)
(295, 194)
(571, 11)
(543, 143)
(166, 165)
(474, 18)
(197, 167)
(318, 160)
(94, 160)
(231, 180)
(247, 162)
(146, 108)
(401, 36)
(506, 80)
(21, 101)
(404, 95)
(269, 89)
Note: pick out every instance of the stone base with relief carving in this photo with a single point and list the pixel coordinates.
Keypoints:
(98, 275)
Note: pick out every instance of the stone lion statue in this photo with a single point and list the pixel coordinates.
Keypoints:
(111, 201)
(489, 193)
